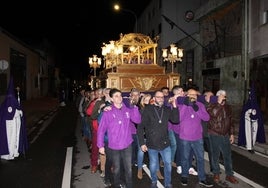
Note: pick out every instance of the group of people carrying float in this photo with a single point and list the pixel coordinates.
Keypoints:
(176, 126)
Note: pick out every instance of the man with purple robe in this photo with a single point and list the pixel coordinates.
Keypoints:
(251, 127)
(13, 137)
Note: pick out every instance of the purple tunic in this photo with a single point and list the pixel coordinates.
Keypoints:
(257, 115)
(7, 112)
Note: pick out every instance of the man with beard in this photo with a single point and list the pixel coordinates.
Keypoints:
(154, 125)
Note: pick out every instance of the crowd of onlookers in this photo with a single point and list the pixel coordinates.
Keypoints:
(175, 127)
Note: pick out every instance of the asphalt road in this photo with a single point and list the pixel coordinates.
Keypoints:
(44, 165)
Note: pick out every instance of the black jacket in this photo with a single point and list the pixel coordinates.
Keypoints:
(155, 127)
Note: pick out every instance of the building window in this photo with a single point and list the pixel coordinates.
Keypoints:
(159, 28)
(189, 62)
(265, 17)
(153, 34)
(189, 59)
(3, 85)
(18, 67)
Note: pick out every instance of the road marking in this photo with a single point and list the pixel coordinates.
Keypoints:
(40, 121)
(256, 152)
(43, 125)
(31, 130)
(243, 178)
(39, 133)
(66, 180)
(146, 169)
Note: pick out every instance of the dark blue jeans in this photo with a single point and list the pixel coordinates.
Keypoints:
(221, 144)
(86, 128)
(198, 148)
(140, 155)
(123, 157)
(136, 151)
(179, 152)
(173, 144)
(207, 147)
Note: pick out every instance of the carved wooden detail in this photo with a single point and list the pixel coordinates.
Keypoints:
(143, 76)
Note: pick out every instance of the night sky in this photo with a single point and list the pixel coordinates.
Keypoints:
(75, 29)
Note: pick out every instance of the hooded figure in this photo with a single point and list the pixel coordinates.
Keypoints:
(251, 127)
(13, 137)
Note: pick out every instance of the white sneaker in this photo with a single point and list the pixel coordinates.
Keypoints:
(192, 171)
(102, 175)
(144, 165)
(179, 170)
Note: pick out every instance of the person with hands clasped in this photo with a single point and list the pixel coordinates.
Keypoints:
(154, 124)
(192, 113)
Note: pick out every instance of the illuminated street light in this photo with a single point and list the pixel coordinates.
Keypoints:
(94, 62)
(173, 55)
(112, 53)
(118, 8)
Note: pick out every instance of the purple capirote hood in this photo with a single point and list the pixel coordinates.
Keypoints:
(7, 112)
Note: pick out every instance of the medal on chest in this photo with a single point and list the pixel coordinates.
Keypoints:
(159, 116)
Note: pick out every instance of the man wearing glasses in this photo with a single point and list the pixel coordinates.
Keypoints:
(154, 124)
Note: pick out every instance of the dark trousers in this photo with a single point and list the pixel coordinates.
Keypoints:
(108, 165)
(207, 147)
(122, 157)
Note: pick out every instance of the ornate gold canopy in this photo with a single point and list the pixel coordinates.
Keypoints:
(131, 63)
(132, 48)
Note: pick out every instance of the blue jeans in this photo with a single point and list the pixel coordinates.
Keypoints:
(207, 147)
(86, 128)
(154, 164)
(221, 144)
(197, 147)
(135, 148)
(122, 157)
(140, 155)
(179, 152)
(173, 144)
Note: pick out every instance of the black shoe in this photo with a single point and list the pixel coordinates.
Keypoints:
(122, 186)
(107, 183)
(184, 181)
(205, 183)
(153, 185)
(251, 151)
(169, 186)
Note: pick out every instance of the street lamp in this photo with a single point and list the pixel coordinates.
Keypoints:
(118, 8)
(94, 62)
(111, 53)
(173, 55)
